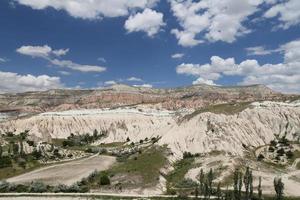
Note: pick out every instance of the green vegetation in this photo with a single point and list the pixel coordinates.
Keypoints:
(82, 140)
(298, 166)
(227, 109)
(145, 164)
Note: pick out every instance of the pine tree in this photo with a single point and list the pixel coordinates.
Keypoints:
(279, 187)
(259, 190)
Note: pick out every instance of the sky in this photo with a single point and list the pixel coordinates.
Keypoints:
(76, 44)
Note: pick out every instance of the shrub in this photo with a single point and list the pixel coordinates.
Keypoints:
(4, 186)
(289, 154)
(5, 161)
(104, 179)
(187, 155)
(37, 187)
(260, 157)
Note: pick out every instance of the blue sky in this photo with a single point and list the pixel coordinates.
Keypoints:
(151, 43)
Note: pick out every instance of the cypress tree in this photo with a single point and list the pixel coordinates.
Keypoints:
(201, 180)
(236, 184)
(210, 178)
(279, 187)
(259, 190)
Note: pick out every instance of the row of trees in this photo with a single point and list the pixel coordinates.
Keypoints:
(206, 187)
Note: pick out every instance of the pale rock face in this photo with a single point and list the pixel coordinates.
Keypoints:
(203, 133)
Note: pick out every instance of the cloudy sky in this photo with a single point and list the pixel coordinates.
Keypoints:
(47, 44)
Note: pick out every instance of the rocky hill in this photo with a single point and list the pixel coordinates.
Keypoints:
(120, 95)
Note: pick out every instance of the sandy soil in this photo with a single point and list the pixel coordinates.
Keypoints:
(67, 173)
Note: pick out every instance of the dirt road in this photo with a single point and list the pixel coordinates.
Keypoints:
(66, 173)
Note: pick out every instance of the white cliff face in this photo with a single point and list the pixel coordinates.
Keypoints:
(203, 133)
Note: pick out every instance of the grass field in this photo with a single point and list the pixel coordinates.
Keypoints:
(145, 164)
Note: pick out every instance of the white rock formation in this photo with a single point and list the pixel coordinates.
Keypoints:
(203, 133)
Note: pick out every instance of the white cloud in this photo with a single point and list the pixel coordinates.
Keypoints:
(135, 79)
(46, 52)
(13, 82)
(65, 73)
(260, 51)
(283, 76)
(203, 81)
(211, 20)
(177, 55)
(110, 82)
(288, 13)
(2, 60)
(60, 52)
(78, 67)
(91, 9)
(101, 59)
(41, 51)
(148, 21)
(144, 85)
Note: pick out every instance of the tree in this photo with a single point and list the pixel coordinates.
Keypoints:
(201, 180)
(1, 151)
(219, 193)
(247, 183)
(236, 184)
(259, 190)
(240, 185)
(210, 178)
(279, 187)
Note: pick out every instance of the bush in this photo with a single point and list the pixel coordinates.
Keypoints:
(104, 179)
(289, 154)
(4, 187)
(37, 187)
(186, 183)
(260, 157)
(5, 161)
(187, 155)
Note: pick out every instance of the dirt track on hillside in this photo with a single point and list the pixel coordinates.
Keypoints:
(66, 173)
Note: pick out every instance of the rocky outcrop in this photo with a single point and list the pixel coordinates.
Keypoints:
(202, 133)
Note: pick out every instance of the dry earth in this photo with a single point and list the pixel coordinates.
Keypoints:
(66, 173)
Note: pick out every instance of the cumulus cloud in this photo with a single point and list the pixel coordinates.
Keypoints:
(287, 12)
(46, 52)
(13, 82)
(177, 55)
(134, 79)
(91, 9)
(283, 76)
(41, 51)
(211, 20)
(149, 21)
(201, 80)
